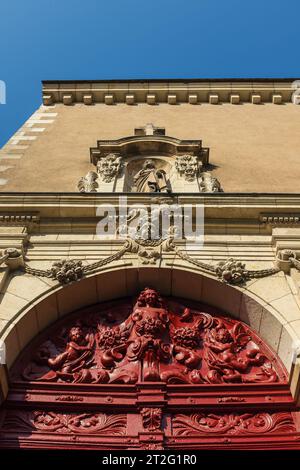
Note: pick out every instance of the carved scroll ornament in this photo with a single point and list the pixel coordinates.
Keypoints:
(152, 342)
(66, 423)
(232, 424)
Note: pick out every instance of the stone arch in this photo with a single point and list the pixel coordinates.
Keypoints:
(51, 407)
(54, 301)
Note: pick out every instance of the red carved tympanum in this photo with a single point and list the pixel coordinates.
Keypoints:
(154, 343)
(149, 373)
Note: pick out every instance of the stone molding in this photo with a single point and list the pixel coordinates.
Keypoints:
(19, 218)
(217, 205)
(170, 92)
(281, 219)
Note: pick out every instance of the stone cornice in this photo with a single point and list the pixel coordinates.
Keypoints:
(224, 206)
(18, 218)
(191, 91)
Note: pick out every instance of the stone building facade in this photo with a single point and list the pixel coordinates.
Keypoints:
(209, 355)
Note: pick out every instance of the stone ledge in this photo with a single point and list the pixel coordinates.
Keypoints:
(168, 91)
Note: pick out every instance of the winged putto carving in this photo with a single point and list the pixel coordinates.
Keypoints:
(151, 339)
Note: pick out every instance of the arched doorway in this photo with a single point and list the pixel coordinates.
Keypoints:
(149, 372)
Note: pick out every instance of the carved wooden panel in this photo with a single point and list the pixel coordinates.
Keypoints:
(66, 423)
(155, 340)
(149, 373)
(198, 424)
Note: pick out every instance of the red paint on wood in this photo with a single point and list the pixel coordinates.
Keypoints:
(155, 373)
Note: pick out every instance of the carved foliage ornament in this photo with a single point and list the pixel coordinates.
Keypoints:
(65, 423)
(232, 271)
(67, 270)
(151, 418)
(234, 424)
(151, 341)
(88, 183)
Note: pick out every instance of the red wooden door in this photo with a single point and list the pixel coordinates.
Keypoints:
(149, 373)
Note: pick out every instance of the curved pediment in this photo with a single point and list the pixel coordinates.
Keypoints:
(149, 161)
(149, 145)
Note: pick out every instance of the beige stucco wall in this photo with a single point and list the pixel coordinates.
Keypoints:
(255, 148)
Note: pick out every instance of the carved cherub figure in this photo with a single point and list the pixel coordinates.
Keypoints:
(75, 358)
(225, 362)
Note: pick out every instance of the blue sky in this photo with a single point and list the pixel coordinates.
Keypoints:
(96, 39)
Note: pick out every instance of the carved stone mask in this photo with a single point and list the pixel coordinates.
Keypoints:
(108, 167)
(187, 166)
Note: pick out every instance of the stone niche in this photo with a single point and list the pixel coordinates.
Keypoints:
(149, 162)
(153, 166)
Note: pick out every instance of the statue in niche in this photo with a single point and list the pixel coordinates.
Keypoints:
(150, 180)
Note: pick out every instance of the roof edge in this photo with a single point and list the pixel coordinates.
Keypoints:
(175, 80)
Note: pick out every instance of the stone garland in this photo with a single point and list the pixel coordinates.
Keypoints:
(295, 263)
(68, 270)
(230, 271)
